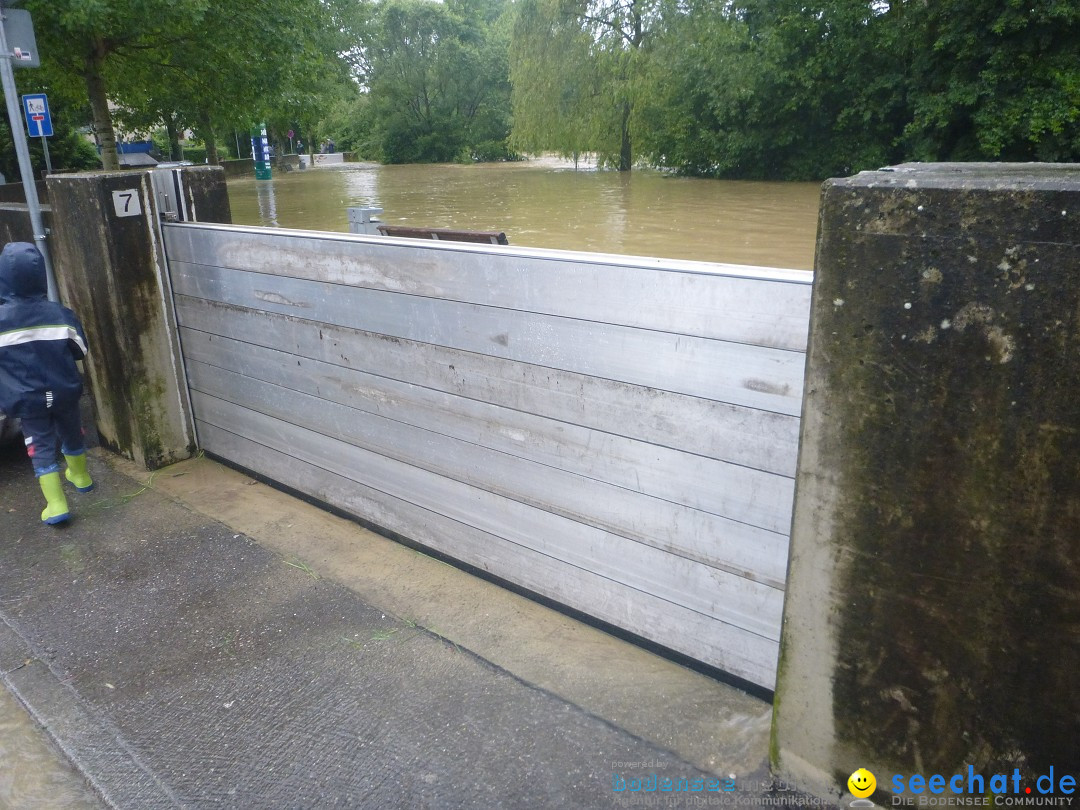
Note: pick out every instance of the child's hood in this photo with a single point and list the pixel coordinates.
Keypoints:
(22, 272)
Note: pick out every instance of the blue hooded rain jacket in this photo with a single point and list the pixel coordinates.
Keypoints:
(40, 340)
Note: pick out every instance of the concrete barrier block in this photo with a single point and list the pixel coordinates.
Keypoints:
(932, 619)
(111, 270)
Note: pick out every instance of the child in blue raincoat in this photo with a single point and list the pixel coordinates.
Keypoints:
(40, 340)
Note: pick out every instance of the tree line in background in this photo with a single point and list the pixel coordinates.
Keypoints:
(777, 89)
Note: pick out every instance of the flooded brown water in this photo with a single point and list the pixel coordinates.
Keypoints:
(547, 203)
(32, 773)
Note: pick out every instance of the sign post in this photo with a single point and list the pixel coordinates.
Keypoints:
(260, 152)
(39, 122)
(22, 51)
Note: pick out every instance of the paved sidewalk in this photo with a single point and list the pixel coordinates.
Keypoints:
(206, 641)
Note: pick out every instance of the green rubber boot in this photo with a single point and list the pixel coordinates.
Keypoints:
(76, 472)
(56, 508)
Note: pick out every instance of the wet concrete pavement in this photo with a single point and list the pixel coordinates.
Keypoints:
(287, 658)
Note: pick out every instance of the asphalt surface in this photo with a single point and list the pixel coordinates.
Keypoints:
(178, 663)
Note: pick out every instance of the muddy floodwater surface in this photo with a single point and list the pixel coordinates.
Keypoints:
(32, 773)
(547, 203)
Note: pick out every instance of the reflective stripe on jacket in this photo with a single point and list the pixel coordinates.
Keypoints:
(40, 340)
(39, 344)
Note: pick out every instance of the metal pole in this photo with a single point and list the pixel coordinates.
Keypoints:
(45, 148)
(26, 169)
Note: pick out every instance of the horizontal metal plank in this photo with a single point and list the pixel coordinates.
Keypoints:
(736, 491)
(713, 642)
(736, 373)
(677, 476)
(691, 298)
(710, 591)
(745, 436)
(715, 540)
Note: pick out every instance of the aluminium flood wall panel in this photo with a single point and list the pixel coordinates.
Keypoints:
(614, 433)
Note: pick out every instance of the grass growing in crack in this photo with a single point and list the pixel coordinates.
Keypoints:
(393, 632)
(296, 562)
(121, 500)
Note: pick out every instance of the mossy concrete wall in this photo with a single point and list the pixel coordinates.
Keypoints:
(111, 270)
(932, 619)
(206, 195)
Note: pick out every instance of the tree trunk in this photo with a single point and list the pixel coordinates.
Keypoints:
(626, 153)
(99, 106)
(207, 132)
(175, 152)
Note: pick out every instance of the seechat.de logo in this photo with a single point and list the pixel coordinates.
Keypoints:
(1052, 789)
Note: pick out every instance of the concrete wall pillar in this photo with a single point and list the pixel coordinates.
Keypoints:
(932, 619)
(106, 246)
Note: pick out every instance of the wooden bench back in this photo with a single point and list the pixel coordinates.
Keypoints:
(451, 234)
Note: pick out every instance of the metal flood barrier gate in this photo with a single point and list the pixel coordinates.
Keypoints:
(616, 434)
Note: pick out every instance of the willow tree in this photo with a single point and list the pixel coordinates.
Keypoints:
(574, 71)
(554, 85)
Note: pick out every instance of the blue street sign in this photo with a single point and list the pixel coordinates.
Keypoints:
(38, 120)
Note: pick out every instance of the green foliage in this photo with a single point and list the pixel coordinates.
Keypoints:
(349, 122)
(767, 90)
(190, 64)
(802, 90)
(996, 81)
(793, 89)
(437, 79)
(689, 121)
(555, 85)
(69, 149)
(85, 39)
(196, 154)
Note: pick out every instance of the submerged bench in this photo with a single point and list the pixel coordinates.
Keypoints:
(451, 234)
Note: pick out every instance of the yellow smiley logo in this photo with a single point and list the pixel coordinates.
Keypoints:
(861, 783)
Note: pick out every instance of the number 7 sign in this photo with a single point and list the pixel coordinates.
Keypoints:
(126, 202)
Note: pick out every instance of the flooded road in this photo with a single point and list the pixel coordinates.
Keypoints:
(547, 203)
